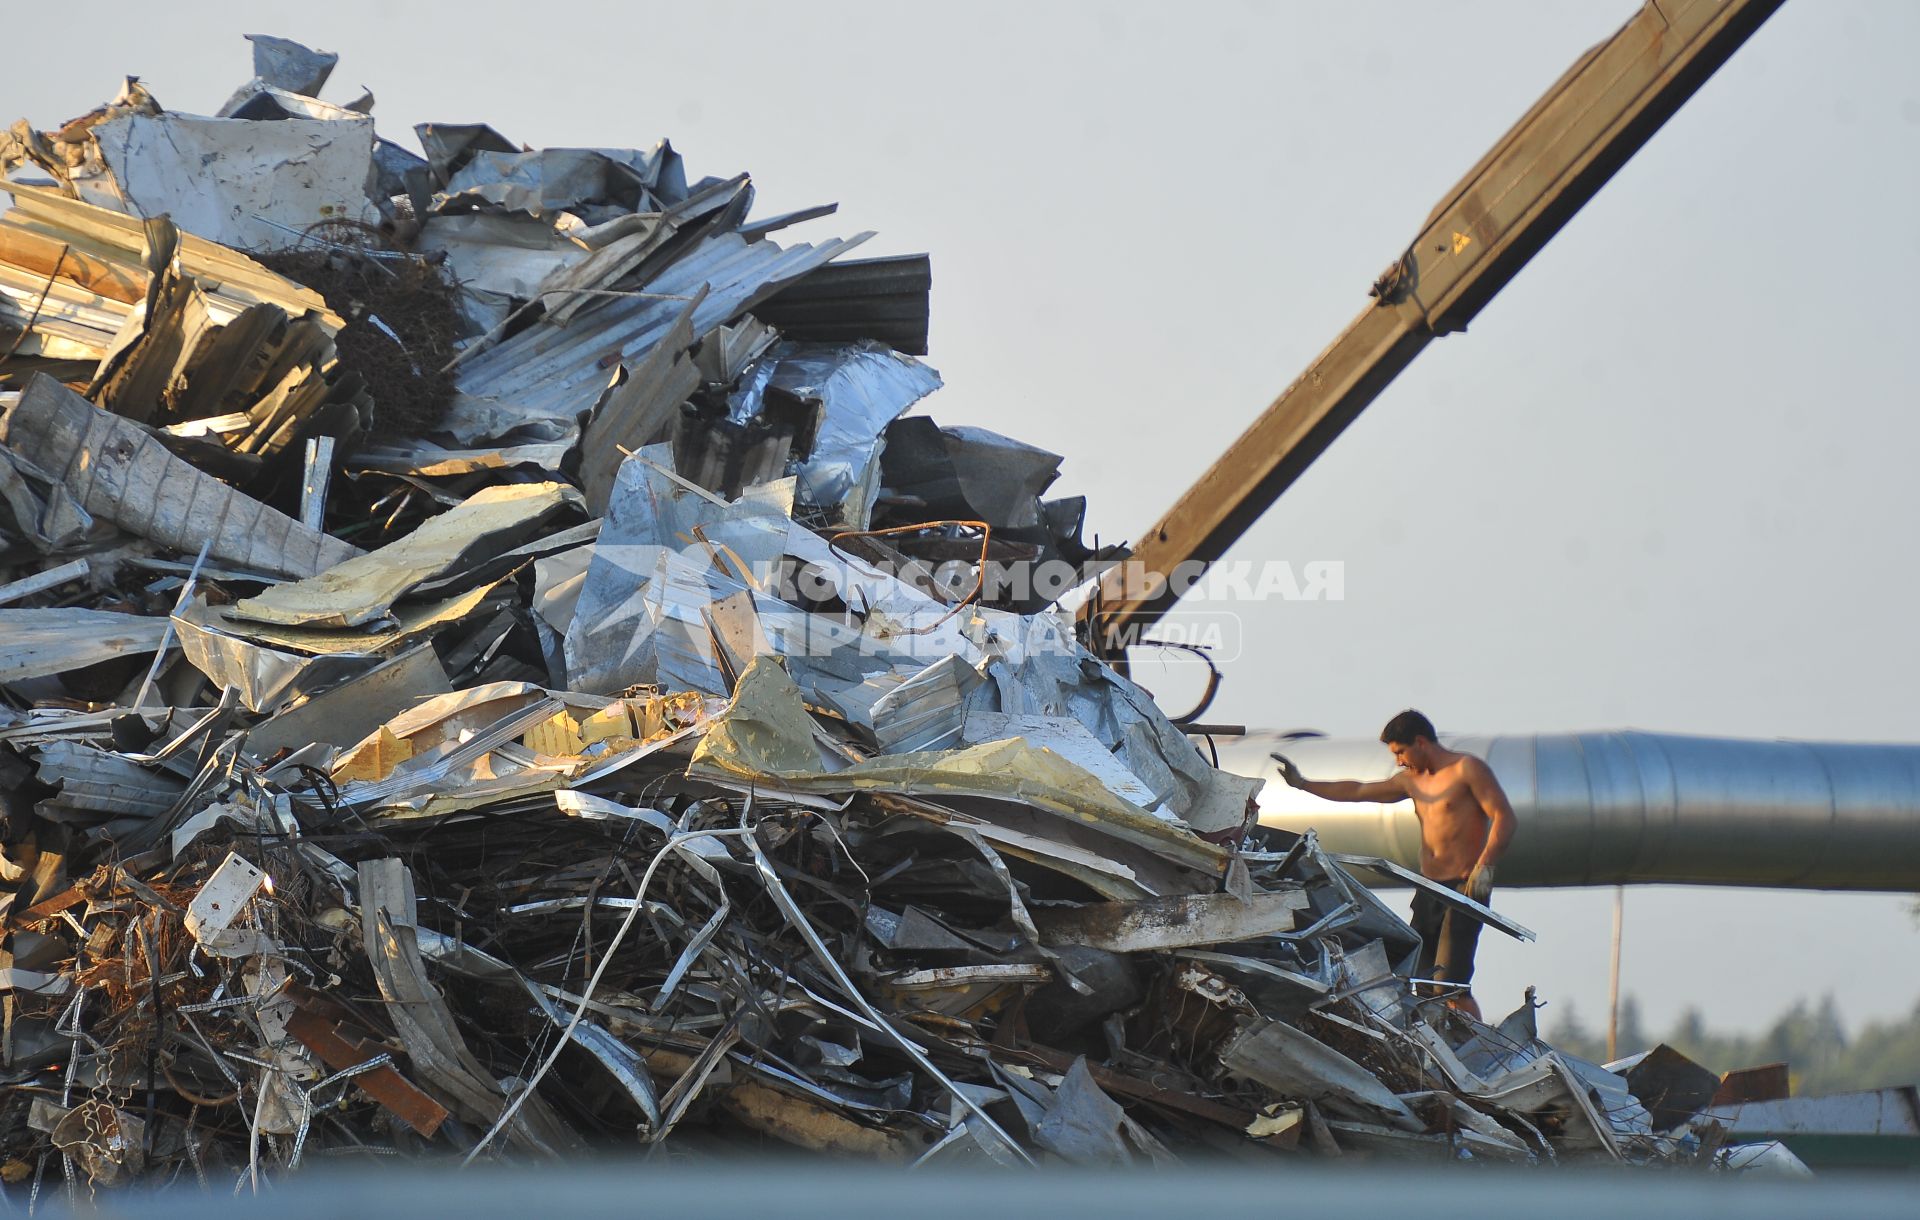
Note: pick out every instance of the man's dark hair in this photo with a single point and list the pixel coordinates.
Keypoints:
(1407, 727)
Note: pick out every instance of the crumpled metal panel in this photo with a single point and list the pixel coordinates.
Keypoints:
(265, 677)
(249, 184)
(258, 99)
(344, 713)
(1121, 716)
(496, 259)
(1613, 1098)
(286, 64)
(1081, 1124)
(409, 622)
(556, 180)
(1000, 473)
(652, 517)
(1296, 1064)
(969, 472)
(1005, 770)
(860, 389)
(639, 411)
(1548, 1089)
(1185, 921)
(451, 145)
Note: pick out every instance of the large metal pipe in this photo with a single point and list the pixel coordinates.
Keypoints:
(1630, 808)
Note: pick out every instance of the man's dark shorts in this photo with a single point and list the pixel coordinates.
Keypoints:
(1447, 939)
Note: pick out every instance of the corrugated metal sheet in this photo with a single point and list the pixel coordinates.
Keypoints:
(885, 299)
(95, 784)
(558, 372)
(118, 238)
(120, 473)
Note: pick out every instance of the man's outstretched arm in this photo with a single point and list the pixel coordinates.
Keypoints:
(1379, 791)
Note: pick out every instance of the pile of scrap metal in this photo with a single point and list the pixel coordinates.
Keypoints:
(636, 753)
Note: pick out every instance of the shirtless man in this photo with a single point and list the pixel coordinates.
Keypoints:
(1465, 826)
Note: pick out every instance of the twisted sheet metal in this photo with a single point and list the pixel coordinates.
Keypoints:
(547, 372)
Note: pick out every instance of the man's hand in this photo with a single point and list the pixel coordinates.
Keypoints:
(1480, 883)
(1288, 772)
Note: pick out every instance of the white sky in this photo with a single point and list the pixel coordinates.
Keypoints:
(1661, 484)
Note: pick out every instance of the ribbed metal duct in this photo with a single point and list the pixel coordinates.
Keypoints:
(1629, 807)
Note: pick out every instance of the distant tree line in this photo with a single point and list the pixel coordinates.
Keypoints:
(1810, 1038)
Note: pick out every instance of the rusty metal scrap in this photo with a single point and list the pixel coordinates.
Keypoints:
(375, 1078)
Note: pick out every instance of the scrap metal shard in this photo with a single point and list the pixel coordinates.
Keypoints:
(638, 411)
(364, 588)
(1180, 922)
(43, 642)
(1296, 1064)
(382, 1083)
(433, 1040)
